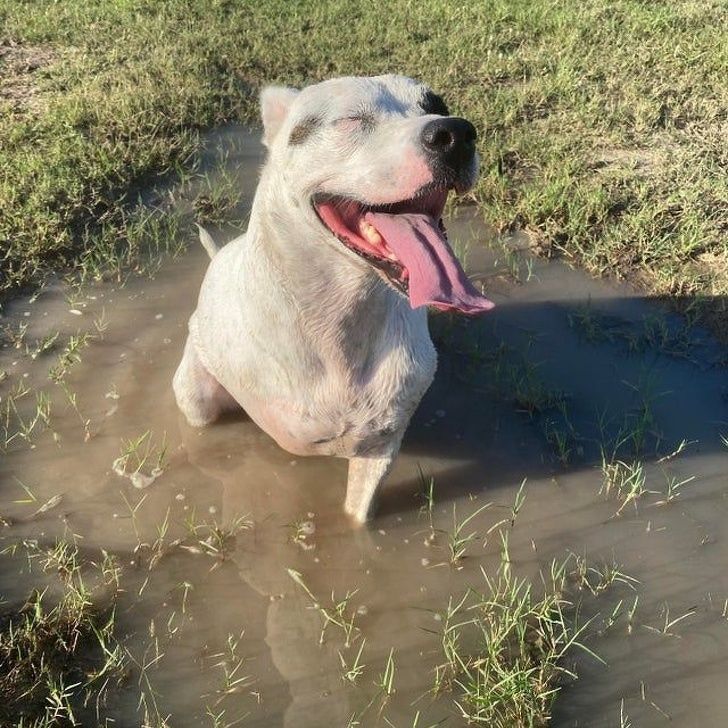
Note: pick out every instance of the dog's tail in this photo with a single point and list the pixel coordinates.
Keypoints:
(208, 243)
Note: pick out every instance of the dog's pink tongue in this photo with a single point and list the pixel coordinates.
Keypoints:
(435, 276)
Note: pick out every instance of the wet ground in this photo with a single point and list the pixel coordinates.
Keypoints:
(564, 372)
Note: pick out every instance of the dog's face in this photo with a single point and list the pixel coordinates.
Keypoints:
(370, 162)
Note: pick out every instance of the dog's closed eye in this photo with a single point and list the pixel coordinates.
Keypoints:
(364, 121)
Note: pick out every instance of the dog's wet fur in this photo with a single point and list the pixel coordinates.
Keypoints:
(315, 320)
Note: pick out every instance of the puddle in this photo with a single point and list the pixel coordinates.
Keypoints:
(561, 370)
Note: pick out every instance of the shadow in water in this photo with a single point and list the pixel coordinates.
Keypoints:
(541, 387)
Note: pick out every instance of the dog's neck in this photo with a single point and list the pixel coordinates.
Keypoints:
(341, 306)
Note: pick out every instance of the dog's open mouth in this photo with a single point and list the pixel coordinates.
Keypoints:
(406, 242)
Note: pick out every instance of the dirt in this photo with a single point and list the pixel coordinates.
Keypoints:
(19, 70)
(561, 354)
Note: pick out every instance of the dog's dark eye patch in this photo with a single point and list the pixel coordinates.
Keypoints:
(433, 104)
(303, 130)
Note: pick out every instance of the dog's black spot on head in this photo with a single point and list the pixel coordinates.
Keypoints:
(433, 104)
(303, 130)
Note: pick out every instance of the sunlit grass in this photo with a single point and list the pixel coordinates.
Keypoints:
(596, 135)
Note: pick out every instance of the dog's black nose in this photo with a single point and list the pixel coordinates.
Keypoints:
(451, 139)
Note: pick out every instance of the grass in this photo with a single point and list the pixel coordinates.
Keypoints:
(338, 613)
(457, 539)
(653, 332)
(218, 196)
(602, 124)
(231, 663)
(213, 539)
(385, 681)
(22, 420)
(63, 654)
(20, 425)
(666, 628)
(513, 676)
(138, 453)
(58, 651)
(507, 642)
(351, 672)
(625, 480)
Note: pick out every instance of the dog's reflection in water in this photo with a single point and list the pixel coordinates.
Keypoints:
(283, 496)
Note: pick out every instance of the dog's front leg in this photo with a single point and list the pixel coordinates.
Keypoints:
(365, 475)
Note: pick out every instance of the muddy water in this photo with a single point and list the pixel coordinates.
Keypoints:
(562, 358)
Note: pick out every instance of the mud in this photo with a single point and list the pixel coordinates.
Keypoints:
(564, 368)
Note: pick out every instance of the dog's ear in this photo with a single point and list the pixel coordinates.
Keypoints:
(275, 103)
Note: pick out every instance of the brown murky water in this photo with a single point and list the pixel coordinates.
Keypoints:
(492, 418)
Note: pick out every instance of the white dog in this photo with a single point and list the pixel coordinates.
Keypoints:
(315, 321)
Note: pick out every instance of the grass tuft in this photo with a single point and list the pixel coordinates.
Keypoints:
(57, 651)
(515, 672)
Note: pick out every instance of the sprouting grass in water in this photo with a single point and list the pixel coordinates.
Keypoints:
(427, 494)
(218, 720)
(589, 324)
(148, 704)
(560, 440)
(43, 345)
(597, 579)
(338, 613)
(530, 393)
(624, 721)
(67, 359)
(505, 642)
(514, 674)
(16, 424)
(458, 539)
(674, 488)
(561, 434)
(415, 722)
(212, 538)
(13, 334)
(300, 531)
(629, 435)
(138, 453)
(385, 681)
(352, 672)
(70, 355)
(625, 480)
(72, 399)
(20, 421)
(668, 623)
(231, 662)
(58, 651)
(640, 424)
(519, 266)
(32, 500)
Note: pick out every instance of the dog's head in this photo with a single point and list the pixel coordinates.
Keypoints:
(370, 162)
